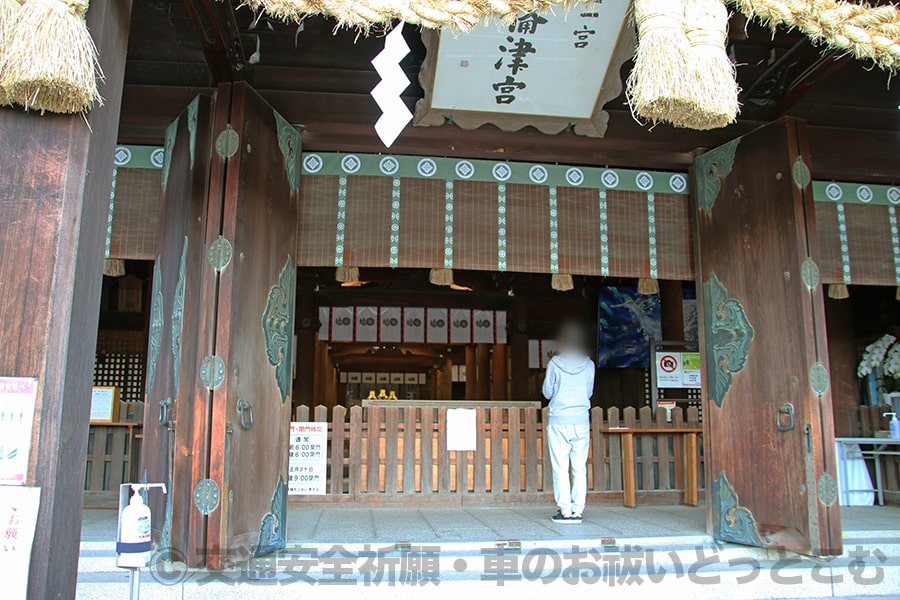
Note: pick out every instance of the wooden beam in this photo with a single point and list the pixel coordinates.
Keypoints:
(789, 79)
(345, 123)
(57, 173)
(218, 33)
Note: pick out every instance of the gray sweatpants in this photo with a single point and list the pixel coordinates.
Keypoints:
(569, 449)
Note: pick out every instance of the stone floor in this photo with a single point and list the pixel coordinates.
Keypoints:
(470, 544)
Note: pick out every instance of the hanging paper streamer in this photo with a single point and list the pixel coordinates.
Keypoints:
(448, 226)
(394, 260)
(895, 242)
(394, 113)
(651, 235)
(845, 247)
(341, 222)
(554, 232)
(501, 227)
(604, 236)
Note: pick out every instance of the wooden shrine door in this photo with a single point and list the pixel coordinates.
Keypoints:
(767, 403)
(174, 402)
(234, 441)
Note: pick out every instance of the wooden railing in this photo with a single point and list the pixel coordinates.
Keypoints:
(113, 454)
(399, 454)
(866, 421)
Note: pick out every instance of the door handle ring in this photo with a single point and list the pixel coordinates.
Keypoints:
(786, 409)
(245, 410)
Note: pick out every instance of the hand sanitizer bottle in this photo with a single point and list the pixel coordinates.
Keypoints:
(895, 426)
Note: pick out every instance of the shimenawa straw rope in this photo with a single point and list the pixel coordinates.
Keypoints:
(9, 9)
(51, 60)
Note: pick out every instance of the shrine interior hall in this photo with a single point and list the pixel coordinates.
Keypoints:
(230, 254)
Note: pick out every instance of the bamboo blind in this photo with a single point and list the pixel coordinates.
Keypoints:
(422, 223)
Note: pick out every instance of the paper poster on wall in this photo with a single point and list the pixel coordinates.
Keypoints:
(104, 404)
(18, 514)
(308, 459)
(17, 399)
(678, 370)
(461, 429)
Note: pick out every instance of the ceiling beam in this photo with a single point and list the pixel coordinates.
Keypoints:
(218, 32)
(789, 79)
(345, 122)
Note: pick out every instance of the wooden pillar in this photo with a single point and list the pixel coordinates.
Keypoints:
(498, 372)
(55, 182)
(671, 305)
(307, 325)
(483, 364)
(444, 381)
(471, 373)
(845, 397)
(518, 347)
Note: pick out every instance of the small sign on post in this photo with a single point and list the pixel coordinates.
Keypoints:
(17, 399)
(461, 430)
(18, 515)
(308, 459)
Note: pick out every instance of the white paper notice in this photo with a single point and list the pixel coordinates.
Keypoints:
(461, 434)
(308, 459)
(18, 514)
(17, 398)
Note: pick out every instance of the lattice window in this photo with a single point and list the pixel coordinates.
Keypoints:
(125, 371)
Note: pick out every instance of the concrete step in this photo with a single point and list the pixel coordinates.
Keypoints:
(692, 566)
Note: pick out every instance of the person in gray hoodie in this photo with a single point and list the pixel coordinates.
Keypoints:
(569, 384)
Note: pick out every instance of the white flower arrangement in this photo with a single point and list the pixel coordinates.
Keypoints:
(874, 356)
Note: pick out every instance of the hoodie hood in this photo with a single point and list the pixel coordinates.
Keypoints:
(572, 363)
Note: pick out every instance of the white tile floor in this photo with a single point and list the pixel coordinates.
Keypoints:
(465, 537)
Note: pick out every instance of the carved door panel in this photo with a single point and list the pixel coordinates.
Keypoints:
(171, 409)
(767, 405)
(256, 174)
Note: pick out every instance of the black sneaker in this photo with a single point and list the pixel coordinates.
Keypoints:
(575, 518)
(561, 518)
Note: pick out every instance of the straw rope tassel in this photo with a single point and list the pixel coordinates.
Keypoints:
(9, 10)
(838, 291)
(711, 75)
(51, 60)
(441, 276)
(648, 286)
(347, 274)
(562, 282)
(656, 87)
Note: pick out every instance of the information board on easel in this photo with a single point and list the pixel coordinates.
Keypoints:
(675, 366)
